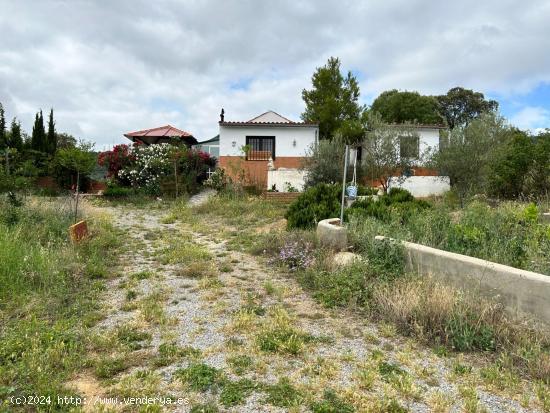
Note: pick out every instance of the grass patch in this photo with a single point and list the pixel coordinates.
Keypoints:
(283, 394)
(170, 353)
(110, 366)
(48, 295)
(197, 269)
(182, 251)
(142, 275)
(131, 337)
(236, 392)
(240, 364)
(279, 336)
(205, 408)
(331, 403)
(200, 377)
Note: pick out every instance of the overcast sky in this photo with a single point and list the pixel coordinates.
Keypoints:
(108, 67)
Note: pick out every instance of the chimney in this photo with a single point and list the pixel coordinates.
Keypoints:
(222, 115)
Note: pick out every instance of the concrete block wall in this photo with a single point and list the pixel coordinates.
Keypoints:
(522, 292)
(282, 177)
(423, 186)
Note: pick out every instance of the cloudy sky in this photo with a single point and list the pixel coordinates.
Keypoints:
(109, 67)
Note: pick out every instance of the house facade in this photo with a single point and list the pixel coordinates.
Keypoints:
(421, 181)
(268, 142)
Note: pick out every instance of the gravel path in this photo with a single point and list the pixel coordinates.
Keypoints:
(223, 319)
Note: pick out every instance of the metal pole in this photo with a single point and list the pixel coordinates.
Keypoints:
(344, 186)
(76, 200)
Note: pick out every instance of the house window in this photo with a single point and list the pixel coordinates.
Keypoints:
(409, 147)
(260, 148)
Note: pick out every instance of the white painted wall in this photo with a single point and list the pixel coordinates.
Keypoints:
(281, 176)
(423, 186)
(429, 138)
(284, 137)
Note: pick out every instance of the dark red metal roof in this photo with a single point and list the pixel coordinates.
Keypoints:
(167, 131)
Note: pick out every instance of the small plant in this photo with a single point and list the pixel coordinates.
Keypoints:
(296, 255)
(199, 376)
(197, 269)
(131, 337)
(205, 408)
(236, 392)
(468, 333)
(131, 295)
(169, 353)
(218, 180)
(389, 371)
(283, 394)
(331, 403)
(240, 364)
(142, 275)
(108, 367)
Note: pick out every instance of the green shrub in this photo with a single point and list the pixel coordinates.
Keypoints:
(315, 204)
(355, 283)
(397, 203)
(116, 191)
(467, 332)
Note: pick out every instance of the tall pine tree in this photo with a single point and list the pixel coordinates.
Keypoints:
(51, 138)
(3, 142)
(333, 99)
(38, 139)
(16, 140)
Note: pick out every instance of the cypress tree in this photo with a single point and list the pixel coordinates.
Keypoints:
(3, 137)
(16, 140)
(38, 139)
(35, 144)
(43, 142)
(52, 137)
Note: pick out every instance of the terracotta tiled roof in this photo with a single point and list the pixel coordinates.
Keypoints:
(162, 131)
(284, 124)
(269, 118)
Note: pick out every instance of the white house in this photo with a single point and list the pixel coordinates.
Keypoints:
(268, 142)
(423, 181)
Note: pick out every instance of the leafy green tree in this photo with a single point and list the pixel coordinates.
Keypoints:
(71, 166)
(466, 153)
(38, 139)
(537, 178)
(382, 159)
(324, 162)
(332, 100)
(51, 138)
(3, 142)
(65, 140)
(508, 166)
(460, 106)
(399, 107)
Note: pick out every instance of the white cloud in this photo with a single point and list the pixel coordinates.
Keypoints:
(105, 66)
(532, 118)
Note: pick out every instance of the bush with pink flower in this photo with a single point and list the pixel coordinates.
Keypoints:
(146, 167)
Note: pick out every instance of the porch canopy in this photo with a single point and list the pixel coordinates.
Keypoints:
(163, 134)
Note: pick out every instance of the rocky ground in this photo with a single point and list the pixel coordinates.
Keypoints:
(186, 316)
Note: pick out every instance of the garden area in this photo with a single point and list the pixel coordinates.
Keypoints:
(453, 323)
